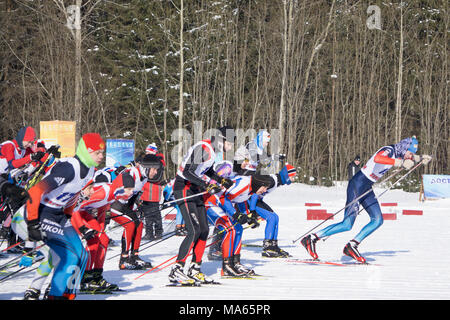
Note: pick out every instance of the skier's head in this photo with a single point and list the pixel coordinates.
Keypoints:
(151, 167)
(262, 139)
(406, 148)
(25, 137)
(151, 149)
(260, 183)
(224, 169)
(90, 150)
(224, 139)
(87, 191)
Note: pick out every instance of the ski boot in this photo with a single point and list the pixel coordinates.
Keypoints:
(32, 294)
(90, 285)
(270, 250)
(179, 278)
(351, 250)
(229, 270)
(283, 254)
(139, 262)
(98, 278)
(180, 230)
(195, 273)
(238, 266)
(125, 263)
(309, 242)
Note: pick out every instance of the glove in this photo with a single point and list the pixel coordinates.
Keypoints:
(34, 231)
(407, 164)
(27, 259)
(54, 151)
(425, 158)
(37, 156)
(16, 196)
(87, 233)
(213, 188)
(226, 183)
(253, 219)
(239, 217)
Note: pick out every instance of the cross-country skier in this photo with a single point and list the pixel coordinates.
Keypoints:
(196, 166)
(89, 220)
(15, 154)
(33, 250)
(124, 212)
(248, 157)
(48, 217)
(235, 207)
(151, 196)
(402, 154)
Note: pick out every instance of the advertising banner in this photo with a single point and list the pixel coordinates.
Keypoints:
(59, 132)
(119, 152)
(436, 186)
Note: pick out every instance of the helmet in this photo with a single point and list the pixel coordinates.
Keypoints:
(151, 161)
(224, 169)
(225, 133)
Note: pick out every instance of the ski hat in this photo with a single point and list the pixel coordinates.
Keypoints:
(262, 137)
(408, 144)
(357, 158)
(25, 134)
(259, 180)
(152, 148)
(93, 142)
(414, 145)
(224, 169)
(89, 142)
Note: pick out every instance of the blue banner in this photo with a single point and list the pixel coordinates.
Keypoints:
(119, 152)
(436, 186)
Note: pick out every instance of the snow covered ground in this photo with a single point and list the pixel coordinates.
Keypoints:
(409, 257)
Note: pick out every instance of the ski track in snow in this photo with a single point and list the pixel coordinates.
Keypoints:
(409, 255)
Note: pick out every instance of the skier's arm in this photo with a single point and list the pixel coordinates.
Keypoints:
(63, 171)
(8, 152)
(198, 157)
(382, 158)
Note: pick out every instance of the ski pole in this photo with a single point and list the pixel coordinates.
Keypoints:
(12, 246)
(348, 205)
(31, 182)
(140, 218)
(8, 264)
(150, 270)
(164, 238)
(164, 205)
(16, 273)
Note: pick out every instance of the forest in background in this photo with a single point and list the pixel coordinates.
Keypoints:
(334, 78)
